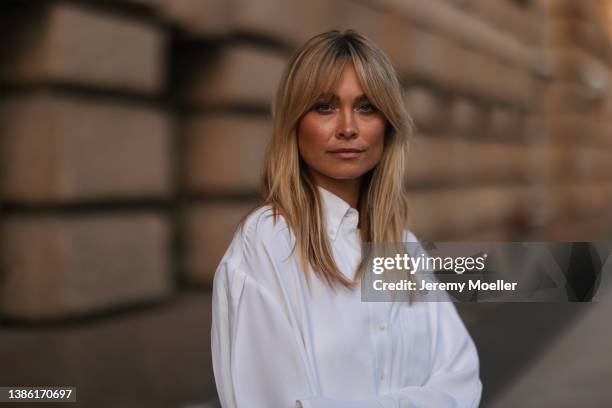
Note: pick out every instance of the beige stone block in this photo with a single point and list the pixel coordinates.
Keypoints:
(603, 131)
(360, 16)
(219, 18)
(520, 21)
(570, 128)
(236, 74)
(433, 161)
(443, 213)
(390, 26)
(67, 43)
(530, 29)
(464, 5)
(590, 164)
(516, 87)
(588, 229)
(427, 57)
(208, 229)
(559, 163)
(501, 14)
(489, 235)
(466, 117)
(316, 16)
(591, 129)
(574, 201)
(59, 148)
(577, 66)
(198, 18)
(608, 98)
(448, 21)
(215, 18)
(224, 154)
(534, 127)
(429, 111)
(541, 162)
(503, 124)
(585, 9)
(60, 267)
(154, 357)
(580, 164)
(275, 19)
(452, 161)
(571, 97)
(498, 82)
(575, 32)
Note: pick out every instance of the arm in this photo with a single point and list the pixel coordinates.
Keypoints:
(257, 360)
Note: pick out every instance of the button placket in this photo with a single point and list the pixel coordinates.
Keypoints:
(382, 328)
(383, 340)
(379, 327)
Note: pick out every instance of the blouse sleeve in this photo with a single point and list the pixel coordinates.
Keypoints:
(454, 381)
(257, 360)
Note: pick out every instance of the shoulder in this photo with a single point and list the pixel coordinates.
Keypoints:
(260, 243)
(262, 226)
(258, 232)
(413, 243)
(409, 236)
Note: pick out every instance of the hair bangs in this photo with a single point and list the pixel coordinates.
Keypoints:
(323, 81)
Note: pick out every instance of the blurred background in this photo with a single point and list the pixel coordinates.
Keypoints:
(131, 139)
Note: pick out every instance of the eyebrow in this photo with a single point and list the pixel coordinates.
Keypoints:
(332, 97)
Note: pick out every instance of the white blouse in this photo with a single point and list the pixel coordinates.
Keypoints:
(275, 343)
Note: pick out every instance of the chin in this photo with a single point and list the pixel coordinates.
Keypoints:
(348, 172)
(347, 175)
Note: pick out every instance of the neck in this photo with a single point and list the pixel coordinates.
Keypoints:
(348, 190)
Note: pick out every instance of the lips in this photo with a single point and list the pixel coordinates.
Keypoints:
(344, 150)
(345, 153)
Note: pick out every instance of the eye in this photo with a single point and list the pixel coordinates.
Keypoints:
(323, 107)
(367, 108)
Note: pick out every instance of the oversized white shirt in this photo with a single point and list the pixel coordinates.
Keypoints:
(278, 344)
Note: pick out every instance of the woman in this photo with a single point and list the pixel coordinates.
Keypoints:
(289, 327)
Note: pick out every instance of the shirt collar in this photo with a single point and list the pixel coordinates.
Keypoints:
(337, 213)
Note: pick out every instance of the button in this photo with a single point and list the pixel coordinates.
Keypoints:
(382, 327)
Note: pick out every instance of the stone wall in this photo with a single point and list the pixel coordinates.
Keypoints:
(132, 134)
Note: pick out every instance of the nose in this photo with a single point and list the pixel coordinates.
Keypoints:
(347, 127)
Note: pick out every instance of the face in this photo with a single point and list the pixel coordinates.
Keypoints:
(341, 137)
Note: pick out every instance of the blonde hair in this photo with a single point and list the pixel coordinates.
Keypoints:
(314, 69)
